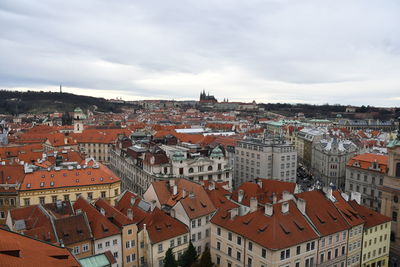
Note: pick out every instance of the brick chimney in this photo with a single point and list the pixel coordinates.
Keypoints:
(253, 204)
(240, 195)
(269, 209)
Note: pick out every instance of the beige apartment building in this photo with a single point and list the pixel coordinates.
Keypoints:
(274, 235)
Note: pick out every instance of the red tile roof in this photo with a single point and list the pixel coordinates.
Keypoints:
(350, 215)
(19, 250)
(114, 215)
(370, 217)
(100, 225)
(161, 226)
(73, 229)
(367, 159)
(265, 193)
(195, 200)
(100, 136)
(279, 231)
(68, 178)
(323, 213)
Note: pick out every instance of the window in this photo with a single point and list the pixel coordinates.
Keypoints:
(107, 244)
(115, 254)
(218, 231)
(263, 253)
(322, 258)
(141, 244)
(129, 231)
(218, 245)
(160, 248)
(66, 197)
(27, 201)
(199, 222)
(329, 255)
(100, 246)
(193, 237)
(394, 216)
(250, 246)
(76, 250)
(298, 249)
(229, 251)
(285, 254)
(41, 200)
(238, 255)
(172, 243)
(198, 235)
(90, 196)
(249, 262)
(103, 194)
(128, 244)
(239, 240)
(193, 224)
(230, 236)
(85, 247)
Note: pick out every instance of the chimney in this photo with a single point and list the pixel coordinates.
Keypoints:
(103, 212)
(152, 205)
(234, 212)
(286, 196)
(259, 182)
(65, 140)
(133, 199)
(329, 193)
(183, 193)
(356, 196)
(191, 194)
(171, 182)
(240, 195)
(211, 185)
(301, 205)
(174, 190)
(274, 198)
(253, 204)
(130, 214)
(285, 207)
(269, 209)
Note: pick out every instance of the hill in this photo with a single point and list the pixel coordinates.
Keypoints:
(15, 102)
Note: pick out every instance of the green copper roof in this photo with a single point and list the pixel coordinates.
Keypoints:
(78, 110)
(95, 261)
(393, 143)
(178, 155)
(217, 152)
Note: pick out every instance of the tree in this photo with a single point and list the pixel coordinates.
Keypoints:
(188, 257)
(205, 260)
(169, 260)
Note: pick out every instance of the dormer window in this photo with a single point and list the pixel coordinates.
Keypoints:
(356, 164)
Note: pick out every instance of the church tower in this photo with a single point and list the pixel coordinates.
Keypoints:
(79, 116)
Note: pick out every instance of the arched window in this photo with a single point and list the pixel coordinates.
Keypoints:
(210, 168)
(395, 199)
(190, 170)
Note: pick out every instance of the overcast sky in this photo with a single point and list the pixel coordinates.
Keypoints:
(337, 52)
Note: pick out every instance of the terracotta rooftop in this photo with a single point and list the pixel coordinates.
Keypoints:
(44, 179)
(19, 250)
(100, 225)
(323, 213)
(161, 226)
(73, 229)
(351, 216)
(278, 231)
(370, 217)
(366, 161)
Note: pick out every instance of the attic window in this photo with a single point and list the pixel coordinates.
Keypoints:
(301, 228)
(247, 222)
(41, 184)
(105, 228)
(101, 179)
(42, 175)
(92, 179)
(89, 172)
(28, 186)
(263, 228)
(285, 230)
(191, 208)
(51, 183)
(79, 231)
(332, 216)
(320, 220)
(158, 228)
(64, 174)
(52, 175)
(77, 180)
(203, 205)
(168, 225)
(77, 173)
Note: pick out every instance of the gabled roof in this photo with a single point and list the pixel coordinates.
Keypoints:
(44, 179)
(161, 226)
(113, 214)
(100, 225)
(131, 201)
(265, 193)
(366, 160)
(323, 213)
(73, 229)
(279, 231)
(191, 195)
(19, 250)
(349, 214)
(370, 217)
